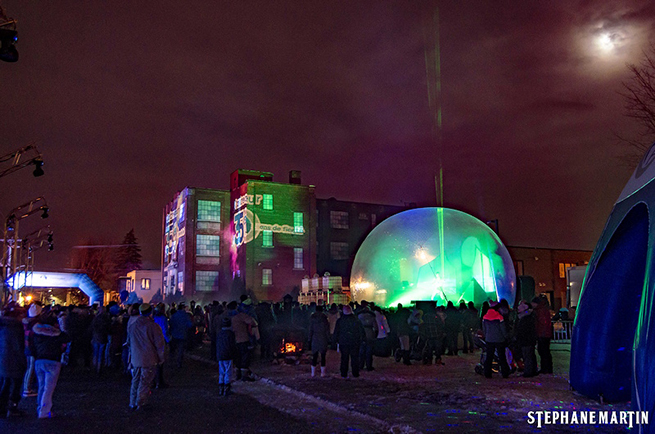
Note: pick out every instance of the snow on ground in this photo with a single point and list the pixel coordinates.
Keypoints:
(450, 398)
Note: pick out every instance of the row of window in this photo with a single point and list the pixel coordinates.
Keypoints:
(208, 280)
(145, 285)
(210, 211)
(210, 245)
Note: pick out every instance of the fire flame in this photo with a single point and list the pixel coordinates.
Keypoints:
(289, 347)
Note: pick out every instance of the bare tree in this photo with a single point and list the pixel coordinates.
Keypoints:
(639, 96)
(98, 262)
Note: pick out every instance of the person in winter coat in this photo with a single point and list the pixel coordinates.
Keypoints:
(399, 324)
(526, 338)
(100, 330)
(179, 326)
(496, 336)
(29, 382)
(382, 341)
(432, 331)
(349, 334)
(453, 327)
(333, 316)
(544, 333)
(370, 324)
(160, 318)
(319, 338)
(226, 351)
(147, 345)
(245, 328)
(12, 361)
(469, 325)
(47, 344)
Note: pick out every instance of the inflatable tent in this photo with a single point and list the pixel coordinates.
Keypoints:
(432, 253)
(42, 279)
(613, 346)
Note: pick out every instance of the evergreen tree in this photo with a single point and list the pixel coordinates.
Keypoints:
(129, 254)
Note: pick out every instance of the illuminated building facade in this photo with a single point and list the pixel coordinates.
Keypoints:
(273, 231)
(259, 237)
(196, 242)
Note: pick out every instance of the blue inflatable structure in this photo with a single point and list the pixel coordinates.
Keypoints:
(613, 346)
(42, 279)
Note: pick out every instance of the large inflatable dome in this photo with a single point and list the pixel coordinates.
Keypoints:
(432, 254)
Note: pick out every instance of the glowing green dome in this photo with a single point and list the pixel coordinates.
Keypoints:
(432, 254)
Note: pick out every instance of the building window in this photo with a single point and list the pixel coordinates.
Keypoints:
(518, 267)
(339, 219)
(145, 284)
(338, 251)
(562, 269)
(267, 277)
(209, 211)
(206, 280)
(297, 223)
(208, 245)
(363, 216)
(180, 281)
(298, 258)
(268, 201)
(267, 238)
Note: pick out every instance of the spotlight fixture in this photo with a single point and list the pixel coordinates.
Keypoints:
(8, 38)
(51, 247)
(38, 169)
(50, 237)
(45, 212)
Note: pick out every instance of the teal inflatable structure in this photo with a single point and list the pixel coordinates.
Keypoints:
(613, 342)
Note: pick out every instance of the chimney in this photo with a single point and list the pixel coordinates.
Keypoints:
(294, 177)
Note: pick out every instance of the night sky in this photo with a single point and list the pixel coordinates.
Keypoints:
(130, 102)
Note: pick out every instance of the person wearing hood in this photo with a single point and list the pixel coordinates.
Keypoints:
(12, 361)
(526, 338)
(496, 336)
(46, 344)
(147, 344)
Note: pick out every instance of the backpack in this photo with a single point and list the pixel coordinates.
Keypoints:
(370, 324)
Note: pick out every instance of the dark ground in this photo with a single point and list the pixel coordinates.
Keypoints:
(84, 403)
(394, 398)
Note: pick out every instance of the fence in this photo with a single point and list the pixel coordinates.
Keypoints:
(562, 331)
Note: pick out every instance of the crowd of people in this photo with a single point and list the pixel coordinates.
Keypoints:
(139, 339)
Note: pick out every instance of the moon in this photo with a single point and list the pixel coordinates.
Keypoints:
(605, 43)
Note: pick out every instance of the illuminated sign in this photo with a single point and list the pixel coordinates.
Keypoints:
(247, 199)
(247, 227)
